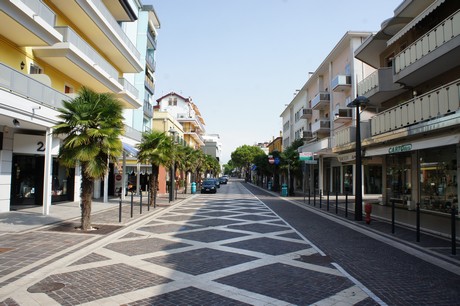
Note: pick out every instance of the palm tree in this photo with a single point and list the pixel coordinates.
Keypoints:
(92, 123)
(155, 148)
(187, 160)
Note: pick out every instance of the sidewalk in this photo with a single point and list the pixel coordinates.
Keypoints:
(29, 218)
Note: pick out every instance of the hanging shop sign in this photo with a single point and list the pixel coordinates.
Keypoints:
(400, 149)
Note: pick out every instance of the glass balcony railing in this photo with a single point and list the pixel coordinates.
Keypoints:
(25, 86)
(72, 37)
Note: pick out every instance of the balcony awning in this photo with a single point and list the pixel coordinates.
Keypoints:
(130, 149)
(414, 21)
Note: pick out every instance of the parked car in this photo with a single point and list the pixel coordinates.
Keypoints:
(216, 181)
(208, 186)
(223, 180)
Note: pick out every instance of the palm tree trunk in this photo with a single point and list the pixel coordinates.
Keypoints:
(86, 200)
(151, 189)
(185, 182)
(155, 183)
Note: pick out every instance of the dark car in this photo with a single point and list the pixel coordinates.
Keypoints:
(223, 180)
(208, 186)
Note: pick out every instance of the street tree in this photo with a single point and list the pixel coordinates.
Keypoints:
(243, 157)
(155, 148)
(92, 124)
(291, 163)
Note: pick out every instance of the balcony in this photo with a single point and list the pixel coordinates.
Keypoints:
(97, 23)
(341, 83)
(322, 126)
(434, 104)
(28, 23)
(193, 120)
(196, 137)
(321, 101)
(308, 135)
(77, 59)
(306, 113)
(347, 136)
(430, 55)
(149, 59)
(150, 84)
(148, 109)
(129, 94)
(379, 86)
(342, 115)
(122, 10)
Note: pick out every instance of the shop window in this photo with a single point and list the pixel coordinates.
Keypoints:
(398, 178)
(372, 179)
(438, 179)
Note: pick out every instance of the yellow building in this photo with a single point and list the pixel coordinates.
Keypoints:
(48, 50)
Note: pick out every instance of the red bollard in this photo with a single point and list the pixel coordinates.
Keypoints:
(368, 211)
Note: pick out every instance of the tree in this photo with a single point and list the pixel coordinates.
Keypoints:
(243, 157)
(92, 123)
(155, 148)
(291, 162)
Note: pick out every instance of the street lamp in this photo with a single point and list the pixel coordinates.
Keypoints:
(172, 132)
(359, 101)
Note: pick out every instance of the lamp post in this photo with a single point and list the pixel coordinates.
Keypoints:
(172, 132)
(359, 101)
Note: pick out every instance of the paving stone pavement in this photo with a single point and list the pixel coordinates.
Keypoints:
(227, 248)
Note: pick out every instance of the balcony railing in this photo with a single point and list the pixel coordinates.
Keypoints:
(129, 87)
(321, 126)
(306, 113)
(23, 85)
(41, 10)
(434, 104)
(341, 82)
(308, 135)
(150, 61)
(148, 109)
(72, 37)
(342, 115)
(438, 36)
(116, 27)
(321, 100)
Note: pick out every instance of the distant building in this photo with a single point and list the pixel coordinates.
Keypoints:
(212, 145)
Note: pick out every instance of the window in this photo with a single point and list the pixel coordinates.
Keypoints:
(35, 69)
(68, 89)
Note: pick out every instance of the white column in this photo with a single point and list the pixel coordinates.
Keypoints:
(47, 178)
(77, 184)
(106, 184)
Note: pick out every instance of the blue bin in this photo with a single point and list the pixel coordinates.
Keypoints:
(193, 187)
(284, 190)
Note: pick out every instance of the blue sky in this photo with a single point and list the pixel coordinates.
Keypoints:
(242, 60)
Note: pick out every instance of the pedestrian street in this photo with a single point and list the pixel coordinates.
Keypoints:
(226, 248)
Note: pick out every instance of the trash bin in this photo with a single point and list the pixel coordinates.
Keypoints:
(193, 187)
(284, 190)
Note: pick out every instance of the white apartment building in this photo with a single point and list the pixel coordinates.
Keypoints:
(319, 111)
(212, 145)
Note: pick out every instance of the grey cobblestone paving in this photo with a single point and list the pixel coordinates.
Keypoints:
(187, 296)
(223, 249)
(86, 285)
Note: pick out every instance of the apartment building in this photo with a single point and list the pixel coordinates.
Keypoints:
(49, 49)
(319, 112)
(414, 98)
(187, 114)
(212, 145)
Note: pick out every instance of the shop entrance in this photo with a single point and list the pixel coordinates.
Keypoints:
(27, 180)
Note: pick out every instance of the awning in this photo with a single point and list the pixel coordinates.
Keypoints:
(130, 149)
(414, 21)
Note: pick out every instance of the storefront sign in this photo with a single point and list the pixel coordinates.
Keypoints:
(33, 144)
(399, 149)
(343, 158)
(305, 156)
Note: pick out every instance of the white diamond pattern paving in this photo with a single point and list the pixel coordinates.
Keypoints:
(218, 249)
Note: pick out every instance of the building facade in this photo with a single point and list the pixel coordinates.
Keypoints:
(414, 98)
(49, 50)
(319, 112)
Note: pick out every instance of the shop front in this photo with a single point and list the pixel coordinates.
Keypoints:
(423, 171)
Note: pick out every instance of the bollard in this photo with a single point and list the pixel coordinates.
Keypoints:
(148, 199)
(119, 210)
(336, 202)
(418, 222)
(132, 204)
(320, 199)
(393, 216)
(140, 202)
(327, 205)
(309, 197)
(453, 236)
(314, 197)
(346, 205)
